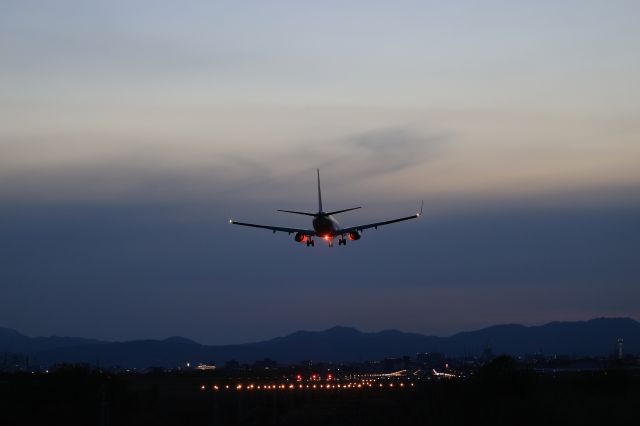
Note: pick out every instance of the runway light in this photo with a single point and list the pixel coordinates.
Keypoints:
(215, 387)
(202, 387)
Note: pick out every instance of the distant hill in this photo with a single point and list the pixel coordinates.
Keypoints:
(338, 344)
(15, 342)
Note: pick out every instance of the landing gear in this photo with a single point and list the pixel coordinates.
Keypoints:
(310, 243)
(342, 242)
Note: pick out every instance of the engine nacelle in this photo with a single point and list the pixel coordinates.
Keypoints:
(300, 237)
(355, 235)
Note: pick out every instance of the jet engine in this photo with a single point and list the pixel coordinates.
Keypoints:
(354, 235)
(300, 237)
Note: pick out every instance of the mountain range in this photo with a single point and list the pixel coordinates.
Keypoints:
(596, 337)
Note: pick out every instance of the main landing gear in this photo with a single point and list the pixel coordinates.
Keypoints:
(342, 241)
(310, 242)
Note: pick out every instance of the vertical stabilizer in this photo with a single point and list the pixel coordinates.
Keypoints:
(319, 194)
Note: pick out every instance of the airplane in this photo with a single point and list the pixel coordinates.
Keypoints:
(325, 226)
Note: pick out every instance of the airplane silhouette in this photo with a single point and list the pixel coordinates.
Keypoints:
(325, 226)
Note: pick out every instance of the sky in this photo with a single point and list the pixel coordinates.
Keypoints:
(131, 131)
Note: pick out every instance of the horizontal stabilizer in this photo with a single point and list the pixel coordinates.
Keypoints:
(345, 210)
(294, 212)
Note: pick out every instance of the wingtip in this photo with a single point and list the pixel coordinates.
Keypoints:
(231, 221)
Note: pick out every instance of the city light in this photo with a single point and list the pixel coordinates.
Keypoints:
(355, 383)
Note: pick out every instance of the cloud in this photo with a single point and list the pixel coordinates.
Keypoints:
(392, 149)
(76, 169)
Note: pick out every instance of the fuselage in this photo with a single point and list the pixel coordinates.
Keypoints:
(325, 225)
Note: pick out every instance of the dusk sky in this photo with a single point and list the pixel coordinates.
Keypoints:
(131, 131)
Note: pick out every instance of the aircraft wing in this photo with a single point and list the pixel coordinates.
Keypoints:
(306, 232)
(376, 224)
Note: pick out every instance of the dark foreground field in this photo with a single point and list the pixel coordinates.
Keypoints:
(513, 398)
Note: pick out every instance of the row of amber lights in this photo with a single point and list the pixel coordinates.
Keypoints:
(251, 387)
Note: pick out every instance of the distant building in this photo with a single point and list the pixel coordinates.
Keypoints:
(406, 362)
(232, 364)
(393, 364)
(266, 364)
(205, 367)
(620, 351)
(430, 359)
(487, 354)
